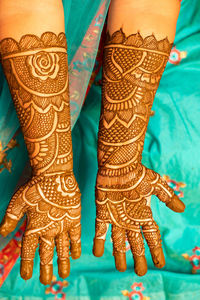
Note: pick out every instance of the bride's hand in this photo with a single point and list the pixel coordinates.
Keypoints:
(127, 206)
(53, 209)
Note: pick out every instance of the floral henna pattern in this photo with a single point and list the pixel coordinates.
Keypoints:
(132, 69)
(36, 71)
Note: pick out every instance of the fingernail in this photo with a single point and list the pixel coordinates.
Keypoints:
(98, 247)
(158, 257)
(75, 250)
(120, 261)
(7, 225)
(176, 204)
(3, 231)
(63, 268)
(140, 265)
(26, 269)
(46, 274)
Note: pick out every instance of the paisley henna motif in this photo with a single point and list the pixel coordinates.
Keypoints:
(132, 69)
(37, 73)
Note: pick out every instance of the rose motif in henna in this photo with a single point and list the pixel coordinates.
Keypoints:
(43, 65)
(36, 71)
(132, 69)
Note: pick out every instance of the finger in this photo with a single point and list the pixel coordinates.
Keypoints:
(14, 213)
(152, 235)
(62, 248)
(176, 204)
(101, 229)
(29, 245)
(8, 225)
(46, 259)
(166, 195)
(75, 241)
(119, 247)
(136, 242)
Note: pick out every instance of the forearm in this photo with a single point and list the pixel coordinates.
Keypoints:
(35, 64)
(134, 62)
(20, 17)
(158, 17)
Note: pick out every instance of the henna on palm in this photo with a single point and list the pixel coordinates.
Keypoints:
(37, 73)
(132, 69)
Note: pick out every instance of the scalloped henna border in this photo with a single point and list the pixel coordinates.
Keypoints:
(136, 40)
(31, 42)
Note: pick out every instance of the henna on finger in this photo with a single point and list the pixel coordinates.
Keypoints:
(62, 248)
(166, 195)
(101, 228)
(152, 236)
(15, 211)
(136, 242)
(46, 251)
(29, 246)
(7, 225)
(75, 241)
(119, 247)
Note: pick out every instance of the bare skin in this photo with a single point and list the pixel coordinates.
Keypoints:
(140, 36)
(35, 65)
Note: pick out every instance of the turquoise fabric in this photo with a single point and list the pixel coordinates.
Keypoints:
(171, 148)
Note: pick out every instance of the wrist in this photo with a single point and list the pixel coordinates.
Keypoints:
(118, 160)
(106, 177)
(65, 169)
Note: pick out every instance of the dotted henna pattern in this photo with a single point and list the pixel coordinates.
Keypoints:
(36, 69)
(132, 69)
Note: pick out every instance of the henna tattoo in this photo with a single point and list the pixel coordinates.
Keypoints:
(132, 69)
(37, 73)
(36, 70)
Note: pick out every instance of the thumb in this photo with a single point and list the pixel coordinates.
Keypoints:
(7, 225)
(167, 195)
(14, 213)
(176, 204)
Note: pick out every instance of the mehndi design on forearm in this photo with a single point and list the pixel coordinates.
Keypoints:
(132, 69)
(37, 73)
